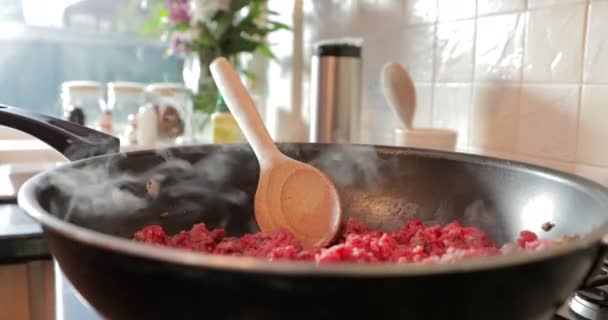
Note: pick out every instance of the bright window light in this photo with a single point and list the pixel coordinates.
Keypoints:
(45, 13)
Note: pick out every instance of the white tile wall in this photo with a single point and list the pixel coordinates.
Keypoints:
(495, 116)
(418, 42)
(599, 174)
(593, 134)
(546, 3)
(486, 7)
(454, 55)
(455, 10)
(548, 121)
(451, 108)
(554, 44)
(596, 57)
(521, 79)
(421, 11)
(499, 47)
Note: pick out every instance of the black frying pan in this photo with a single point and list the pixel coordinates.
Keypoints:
(89, 209)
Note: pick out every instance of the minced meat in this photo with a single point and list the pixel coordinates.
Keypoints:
(414, 242)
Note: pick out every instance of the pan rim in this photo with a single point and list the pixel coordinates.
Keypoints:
(27, 200)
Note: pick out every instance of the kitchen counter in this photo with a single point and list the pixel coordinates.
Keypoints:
(21, 240)
(20, 236)
(25, 266)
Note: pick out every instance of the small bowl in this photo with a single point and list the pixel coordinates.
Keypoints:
(427, 138)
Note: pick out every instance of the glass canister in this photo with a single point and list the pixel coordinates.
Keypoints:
(82, 102)
(174, 109)
(124, 99)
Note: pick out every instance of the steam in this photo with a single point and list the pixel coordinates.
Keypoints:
(348, 165)
(89, 186)
(478, 213)
(213, 170)
(102, 187)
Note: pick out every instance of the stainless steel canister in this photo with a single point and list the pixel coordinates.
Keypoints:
(335, 92)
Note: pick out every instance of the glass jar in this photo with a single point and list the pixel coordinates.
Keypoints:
(174, 109)
(124, 100)
(82, 102)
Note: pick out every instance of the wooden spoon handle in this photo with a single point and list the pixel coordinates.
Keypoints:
(243, 109)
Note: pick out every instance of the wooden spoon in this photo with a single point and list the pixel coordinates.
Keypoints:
(399, 91)
(291, 195)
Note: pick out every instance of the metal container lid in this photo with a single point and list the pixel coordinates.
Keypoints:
(166, 88)
(338, 48)
(81, 85)
(126, 86)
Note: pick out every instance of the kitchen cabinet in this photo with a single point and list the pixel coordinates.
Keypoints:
(27, 290)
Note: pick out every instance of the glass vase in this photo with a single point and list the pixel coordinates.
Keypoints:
(198, 79)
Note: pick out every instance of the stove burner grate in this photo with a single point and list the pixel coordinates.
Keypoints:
(592, 302)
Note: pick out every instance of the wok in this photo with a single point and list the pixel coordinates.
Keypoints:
(90, 207)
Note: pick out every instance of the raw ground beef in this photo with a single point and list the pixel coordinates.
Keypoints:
(414, 242)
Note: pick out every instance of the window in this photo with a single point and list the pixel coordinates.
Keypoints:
(46, 42)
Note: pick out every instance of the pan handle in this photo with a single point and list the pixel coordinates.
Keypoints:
(75, 142)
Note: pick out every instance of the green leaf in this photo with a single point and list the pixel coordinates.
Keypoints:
(266, 52)
(246, 45)
(255, 11)
(156, 24)
(248, 74)
(223, 23)
(275, 25)
(149, 27)
(205, 101)
(251, 29)
(206, 38)
(163, 13)
(236, 5)
(181, 27)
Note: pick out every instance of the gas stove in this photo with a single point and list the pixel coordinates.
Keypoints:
(587, 304)
(591, 302)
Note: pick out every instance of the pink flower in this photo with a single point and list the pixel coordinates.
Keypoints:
(179, 44)
(179, 11)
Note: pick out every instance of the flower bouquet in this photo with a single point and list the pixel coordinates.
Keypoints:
(201, 30)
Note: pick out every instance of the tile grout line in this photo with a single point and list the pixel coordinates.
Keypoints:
(472, 82)
(512, 83)
(579, 107)
(521, 108)
(434, 64)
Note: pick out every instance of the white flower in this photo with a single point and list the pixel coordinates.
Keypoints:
(203, 10)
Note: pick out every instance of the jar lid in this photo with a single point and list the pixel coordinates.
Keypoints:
(345, 47)
(81, 85)
(165, 88)
(126, 86)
